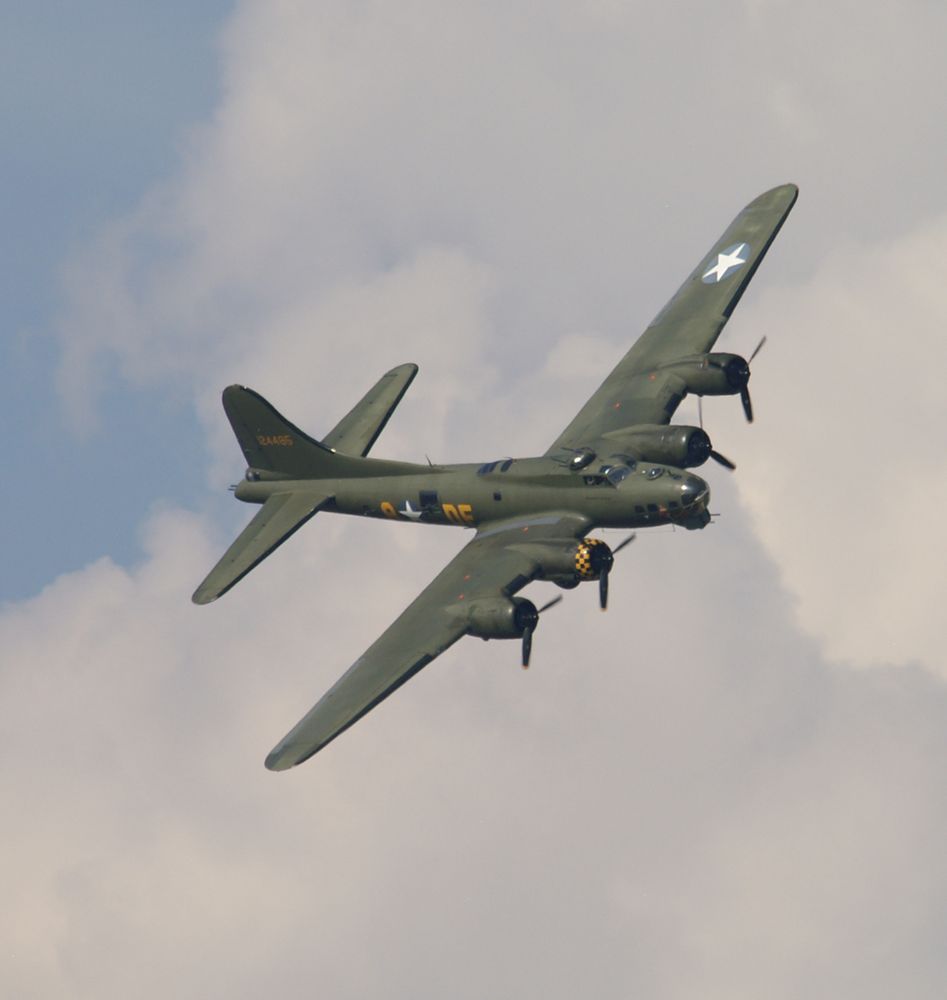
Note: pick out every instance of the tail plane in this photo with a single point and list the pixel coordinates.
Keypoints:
(271, 443)
(278, 518)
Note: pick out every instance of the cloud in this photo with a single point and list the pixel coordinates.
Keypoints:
(621, 814)
(843, 473)
(686, 795)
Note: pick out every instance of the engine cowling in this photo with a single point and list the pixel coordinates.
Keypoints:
(678, 445)
(717, 374)
(592, 558)
(569, 565)
(501, 617)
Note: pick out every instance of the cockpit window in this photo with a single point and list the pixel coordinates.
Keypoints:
(504, 464)
(617, 474)
(653, 472)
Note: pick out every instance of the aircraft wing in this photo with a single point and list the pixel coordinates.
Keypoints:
(273, 523)
(490, 565)
(689, 324)
(358, 430)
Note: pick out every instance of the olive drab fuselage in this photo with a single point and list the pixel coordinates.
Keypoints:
(625, 495)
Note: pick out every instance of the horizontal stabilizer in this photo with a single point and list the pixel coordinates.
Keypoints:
(358, 430)
(277, 519)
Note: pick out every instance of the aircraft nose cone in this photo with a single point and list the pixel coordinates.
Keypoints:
(694, 490)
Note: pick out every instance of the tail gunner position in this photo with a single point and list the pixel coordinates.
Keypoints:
(619, 464)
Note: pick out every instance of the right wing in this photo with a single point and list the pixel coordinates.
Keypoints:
(274, 522)
(493, 564)
(637, 392)
(358, 430)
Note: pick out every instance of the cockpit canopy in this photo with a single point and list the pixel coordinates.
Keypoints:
(582, 458)
(612, 475)
(618, 474)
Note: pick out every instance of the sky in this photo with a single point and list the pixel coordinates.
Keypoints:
(732, 784)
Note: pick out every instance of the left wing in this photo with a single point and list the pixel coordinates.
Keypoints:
(493, 564)
(635, 393)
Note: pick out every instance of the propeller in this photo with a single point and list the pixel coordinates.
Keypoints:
(606, 561)
(737, 371)
(530, 621)
(602, 559)
(744, 375)
(747, 404)
(711, 451)
(723, 460)
(756, 350)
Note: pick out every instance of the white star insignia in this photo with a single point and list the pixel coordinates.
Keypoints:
(726, 262)
(409, 512)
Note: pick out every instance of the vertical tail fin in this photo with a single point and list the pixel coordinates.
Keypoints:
(269, 441)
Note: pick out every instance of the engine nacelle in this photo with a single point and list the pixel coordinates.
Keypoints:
(500, 617)
(569, 565)
(717, 374)
(678, 445)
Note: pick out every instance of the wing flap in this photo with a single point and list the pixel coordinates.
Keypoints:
(274, 522)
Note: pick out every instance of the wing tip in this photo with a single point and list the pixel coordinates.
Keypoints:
(277, 760)
(783, 196)
(408, 368)
(282, 758)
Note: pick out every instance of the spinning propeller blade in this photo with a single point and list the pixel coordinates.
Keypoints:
(531, 627)
(756, 350)
(623, 543)
(745, 392)
(527, 646)
(606, 569)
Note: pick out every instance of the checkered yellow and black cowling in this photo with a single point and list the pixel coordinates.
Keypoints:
(588, 566)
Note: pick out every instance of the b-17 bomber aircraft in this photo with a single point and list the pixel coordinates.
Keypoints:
(619, 464)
